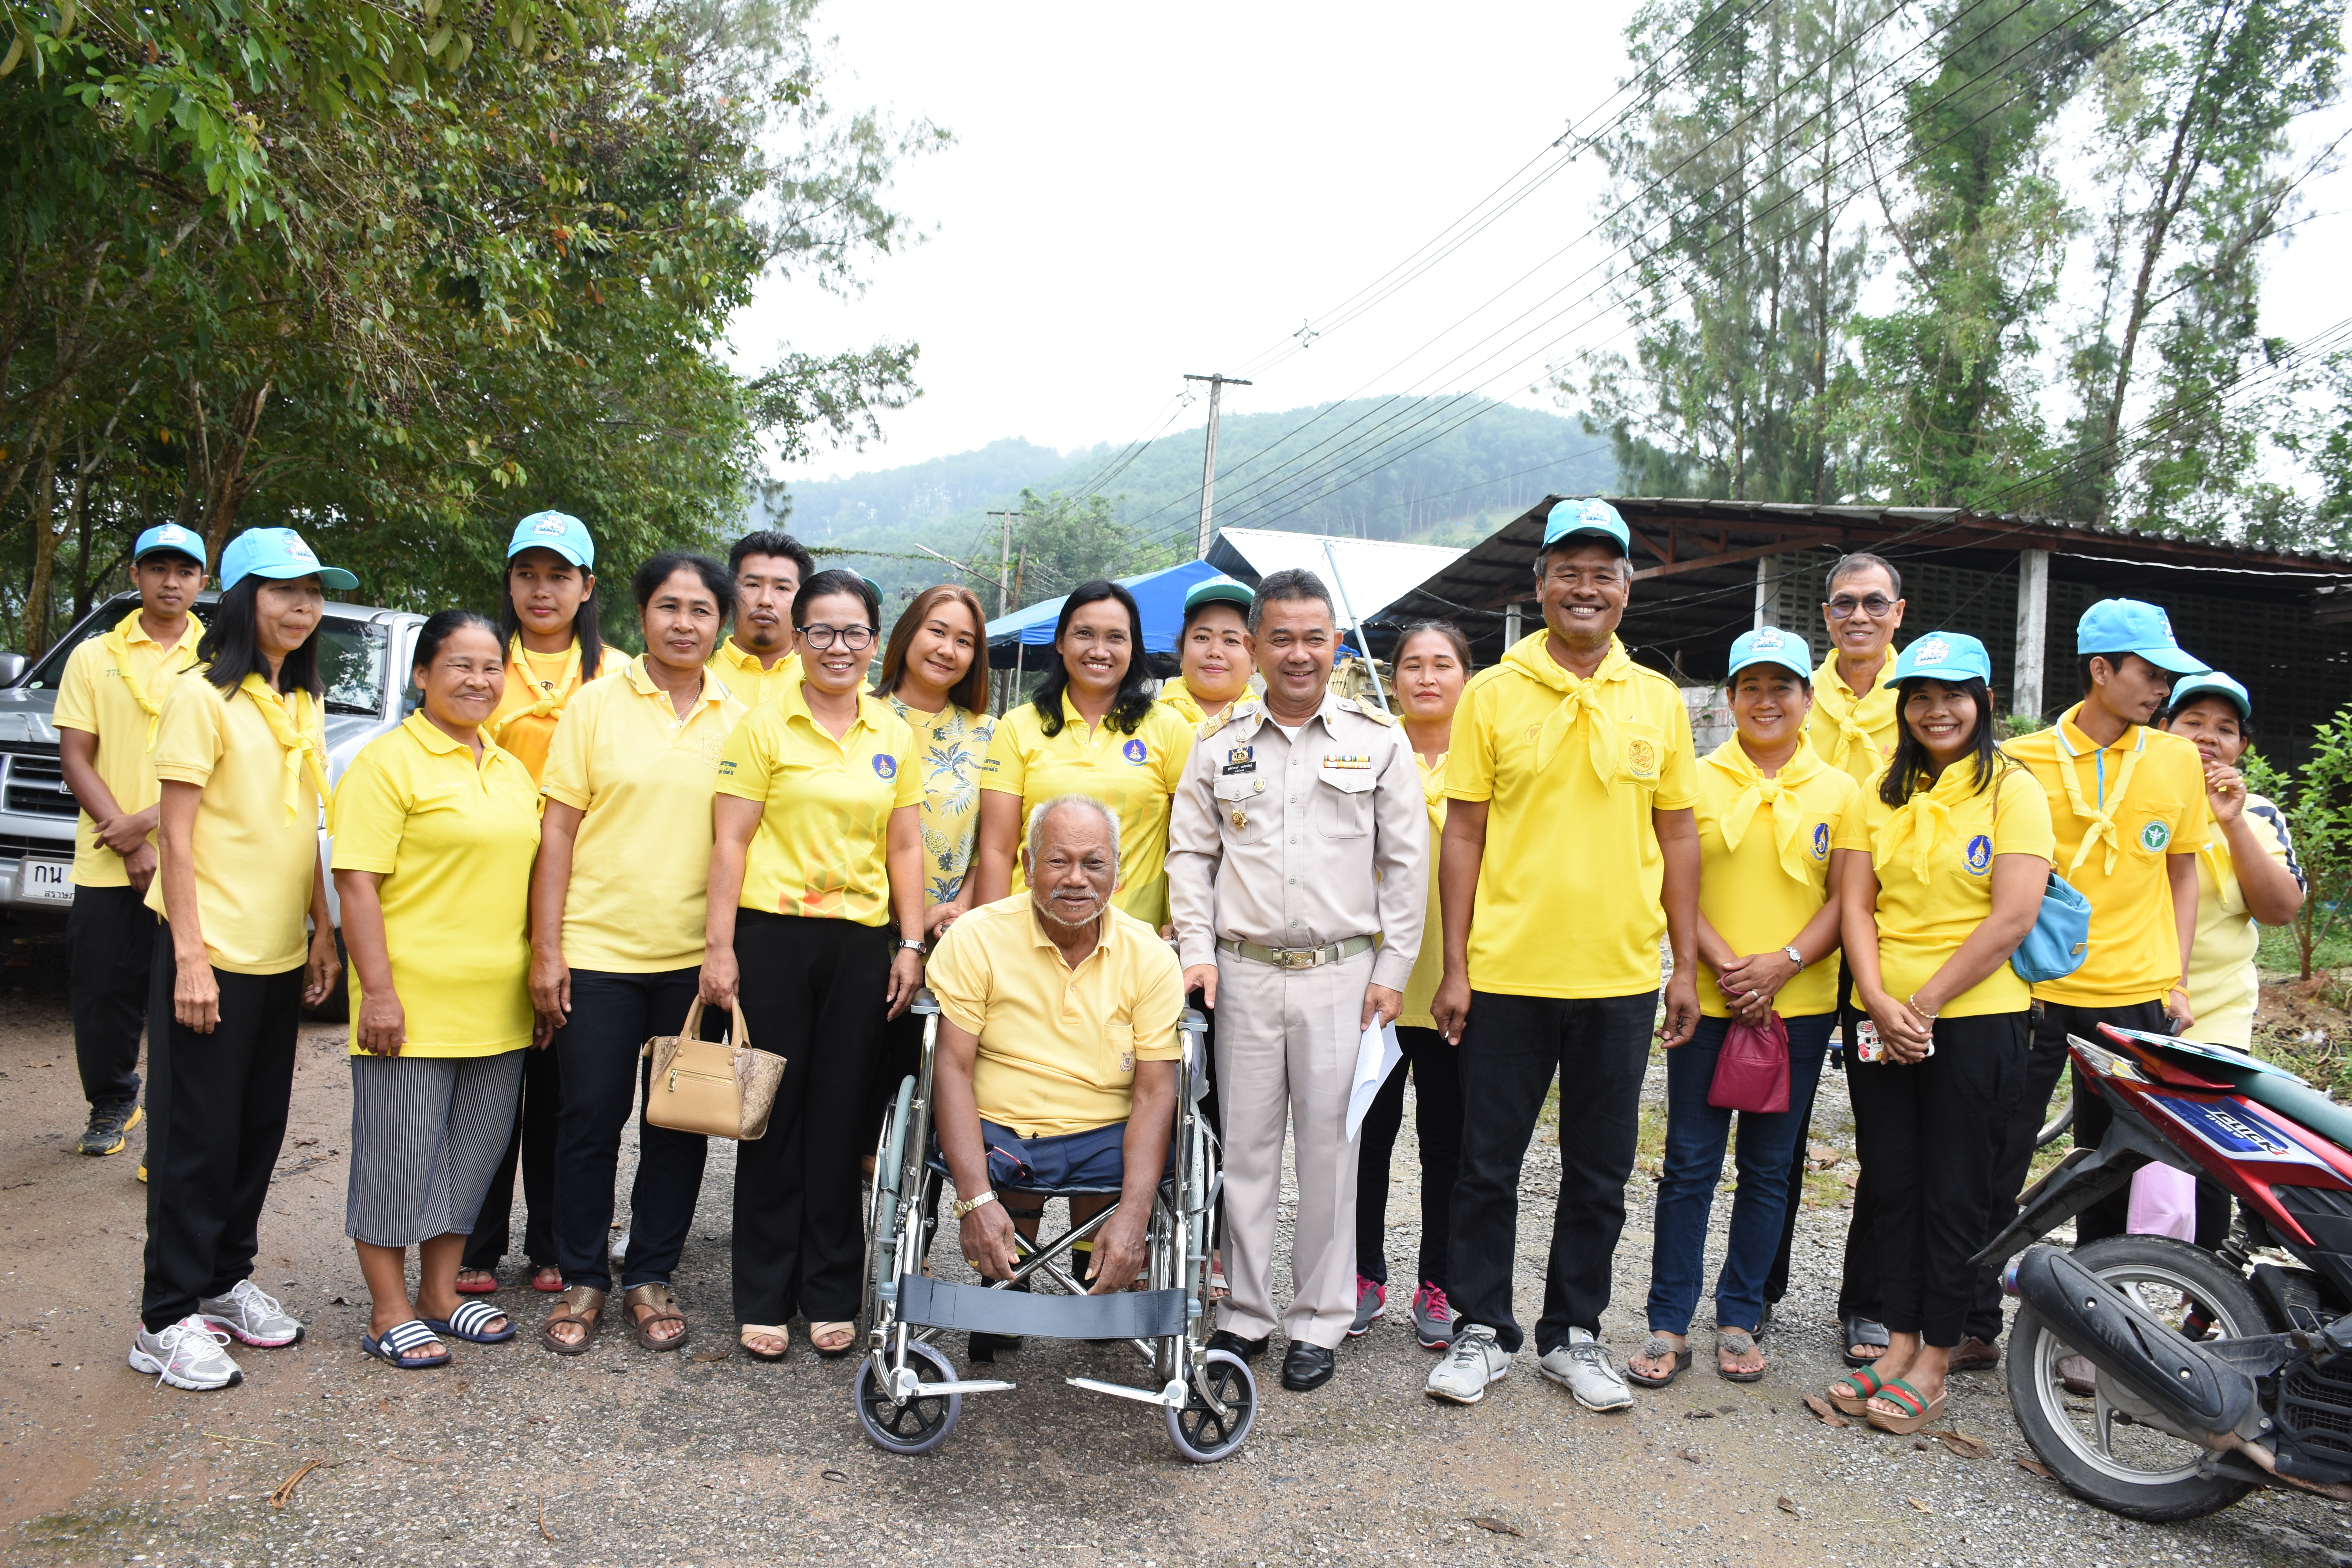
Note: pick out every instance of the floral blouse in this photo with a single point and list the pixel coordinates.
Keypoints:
(951, 745)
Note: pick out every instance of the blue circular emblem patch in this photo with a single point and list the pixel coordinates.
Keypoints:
(886, 767)
(1980, 853)
(1133, 752)
(1821, 840)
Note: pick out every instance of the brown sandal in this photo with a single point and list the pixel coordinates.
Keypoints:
(664, 1311)
(580, 1304)
(825, 1330)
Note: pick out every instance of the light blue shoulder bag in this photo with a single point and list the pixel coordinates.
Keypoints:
(2060, 941)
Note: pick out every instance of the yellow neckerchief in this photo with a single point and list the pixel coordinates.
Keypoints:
(1927, 815)
(1580, 700)
(2102, 817)
(1758, 792)
(289, 719)
(553, 701)
(1433, 781)
(118, 643)
(1855, 717)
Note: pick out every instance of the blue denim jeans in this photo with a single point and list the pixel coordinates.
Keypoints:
(1696, 1133)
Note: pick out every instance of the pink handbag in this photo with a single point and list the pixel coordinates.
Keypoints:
(1751, 1072)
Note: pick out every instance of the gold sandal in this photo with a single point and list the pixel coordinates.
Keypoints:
(580, 1304)
(664, 1311)
(747, 1332)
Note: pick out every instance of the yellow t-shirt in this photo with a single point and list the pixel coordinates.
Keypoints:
(741, 673)
(822, 846)
(1764, 862)
(1933, 861)
(644, 779)
(1057, 1046)
(2223, 985)
(1567, 890)
(255, 861)
(1135, 775)
(1176, 694)
(536, 681)
(453, 843)
(1854, 736)
(1429, 963)
(2153, 788)
(107, 688)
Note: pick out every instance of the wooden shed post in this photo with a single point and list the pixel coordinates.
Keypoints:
(2032, 628)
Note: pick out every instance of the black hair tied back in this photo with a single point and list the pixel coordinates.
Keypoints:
(444, 624)
(229, 650)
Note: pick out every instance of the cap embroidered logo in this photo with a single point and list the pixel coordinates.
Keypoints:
(552, 527)
(1934, 650)
(1979, 853)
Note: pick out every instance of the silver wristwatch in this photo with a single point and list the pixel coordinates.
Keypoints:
(1795, 957)
(910, 944)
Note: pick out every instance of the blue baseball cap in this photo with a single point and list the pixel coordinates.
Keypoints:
(169, 536)
(557, 530)
(2128, 626)
(1218, 590)
(2212, 683)
(1592, 516)
(276, 553)
(1944, 656)
(1770, 644)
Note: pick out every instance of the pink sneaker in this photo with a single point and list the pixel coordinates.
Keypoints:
(1433, 1317)
(1371, 1300)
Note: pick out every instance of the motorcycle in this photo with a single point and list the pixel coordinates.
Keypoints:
(2217, 1373)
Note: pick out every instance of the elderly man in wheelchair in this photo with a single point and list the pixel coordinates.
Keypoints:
(1057, 1062)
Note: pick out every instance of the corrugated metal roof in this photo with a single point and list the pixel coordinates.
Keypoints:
(1375, 573)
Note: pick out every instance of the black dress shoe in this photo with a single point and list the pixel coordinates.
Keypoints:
(988, 1347)
(1226, 1340)
(1307, 1366)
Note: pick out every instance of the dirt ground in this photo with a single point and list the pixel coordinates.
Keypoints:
(511, 1456)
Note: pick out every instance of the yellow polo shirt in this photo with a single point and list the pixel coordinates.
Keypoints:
(1933, 861)
(644, 779)
(534, 679)
(1855, 735)
(254, 862)
(2223, 985)
(2150, 787)
(741, 674)
(107, 688)
(1429, 963)
(822, 845)
(1567, 890)
(1057, 1046)
(1764, 862)
(453, 843)
(1135, 775)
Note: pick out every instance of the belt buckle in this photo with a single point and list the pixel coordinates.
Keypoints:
(1300, 957)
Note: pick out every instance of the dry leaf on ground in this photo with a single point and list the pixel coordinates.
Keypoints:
(2038, 1467)
(1922, 1507)
(1826, 1411)
(1788, 1506)
(285, 1493)
(1959, 1443)
(1496, 1525)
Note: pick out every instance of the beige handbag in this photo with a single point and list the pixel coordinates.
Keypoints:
(722, 1088)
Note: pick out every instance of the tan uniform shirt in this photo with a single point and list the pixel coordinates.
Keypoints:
(1300, 843)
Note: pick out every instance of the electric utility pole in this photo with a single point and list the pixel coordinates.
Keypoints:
(1217, 384)
(1004, 565)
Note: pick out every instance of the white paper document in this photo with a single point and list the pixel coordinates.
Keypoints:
(1377, 1054)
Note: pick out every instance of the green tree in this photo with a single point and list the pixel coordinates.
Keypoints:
(1068, 540)
(2317, 801)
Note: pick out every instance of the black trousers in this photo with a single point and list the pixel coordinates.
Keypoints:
(216, 1105)
(1929, 1134)
(613, 1016)
(812, 992)
(1512, 1049)
(109, 946)
(1437, 1122)
(1857, 1282)
(538, 1113)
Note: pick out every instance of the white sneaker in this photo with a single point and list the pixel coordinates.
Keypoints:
(1473, 1363)
(1582, 1367)
(252, 1316)
(189, 1354)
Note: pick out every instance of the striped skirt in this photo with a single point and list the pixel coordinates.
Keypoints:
(426, 1136)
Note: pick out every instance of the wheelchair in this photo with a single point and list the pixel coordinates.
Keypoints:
(908, 1392)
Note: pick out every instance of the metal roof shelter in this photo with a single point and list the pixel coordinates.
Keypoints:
(1374, 572)
(1705, 570)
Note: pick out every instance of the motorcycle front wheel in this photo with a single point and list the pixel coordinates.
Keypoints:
(2099, 1453)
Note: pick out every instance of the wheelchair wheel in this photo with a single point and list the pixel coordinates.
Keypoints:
(1199, 1434)
(923, 1423)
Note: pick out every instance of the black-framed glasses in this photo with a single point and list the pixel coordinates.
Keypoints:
(856, 640)
(1844, 607)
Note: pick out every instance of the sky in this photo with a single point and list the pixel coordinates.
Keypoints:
(1136, 192)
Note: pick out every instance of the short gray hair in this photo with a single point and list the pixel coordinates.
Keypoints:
(1040, 812)
(1290, 582)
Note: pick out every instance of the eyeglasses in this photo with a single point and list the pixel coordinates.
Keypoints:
(856, 640)
(1876, 606)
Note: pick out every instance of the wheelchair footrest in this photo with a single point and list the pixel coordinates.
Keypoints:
(931, 1304)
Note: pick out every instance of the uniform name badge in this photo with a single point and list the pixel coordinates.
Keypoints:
(1240, 759)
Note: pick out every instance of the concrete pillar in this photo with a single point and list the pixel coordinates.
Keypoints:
(2033, 629)
(1511, 632)
(1767, 591)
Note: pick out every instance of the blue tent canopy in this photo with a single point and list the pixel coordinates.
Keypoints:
(1159, 595)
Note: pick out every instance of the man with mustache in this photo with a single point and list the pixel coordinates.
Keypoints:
(755, 661)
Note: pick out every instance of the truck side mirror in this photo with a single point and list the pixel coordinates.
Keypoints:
(11, 668)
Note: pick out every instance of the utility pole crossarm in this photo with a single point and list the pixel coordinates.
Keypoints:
(1217, 384)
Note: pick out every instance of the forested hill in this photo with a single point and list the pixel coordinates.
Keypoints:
(1378, 469)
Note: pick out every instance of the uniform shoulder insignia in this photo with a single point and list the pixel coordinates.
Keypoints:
(1353, 706)
(1242, 708)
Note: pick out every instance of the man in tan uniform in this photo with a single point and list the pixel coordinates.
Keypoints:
(1298, 854)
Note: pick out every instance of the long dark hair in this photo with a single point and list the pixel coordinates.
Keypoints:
(443, 625)
(584, 623)
(1912, 767)
(970, 693)
(1134, 698)
(229, 652)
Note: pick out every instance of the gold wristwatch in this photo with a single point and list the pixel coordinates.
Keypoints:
(964, 1206)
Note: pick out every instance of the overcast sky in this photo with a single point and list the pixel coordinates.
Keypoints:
(1136, 193)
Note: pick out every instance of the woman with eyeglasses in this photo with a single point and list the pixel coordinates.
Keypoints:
(815, 923)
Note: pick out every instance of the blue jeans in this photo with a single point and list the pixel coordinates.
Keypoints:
(1696, 1135)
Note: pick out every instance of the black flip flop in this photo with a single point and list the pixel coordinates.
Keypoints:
(1655, 1347)
(1862, 1331)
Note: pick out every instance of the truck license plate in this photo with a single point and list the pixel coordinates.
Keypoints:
(46, 881)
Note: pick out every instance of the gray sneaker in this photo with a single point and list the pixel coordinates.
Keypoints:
(251, 1316)
(185, 1354)
(1473, 1364)
(1371, 1300)
(1433, 1317)
(1582, 1367)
